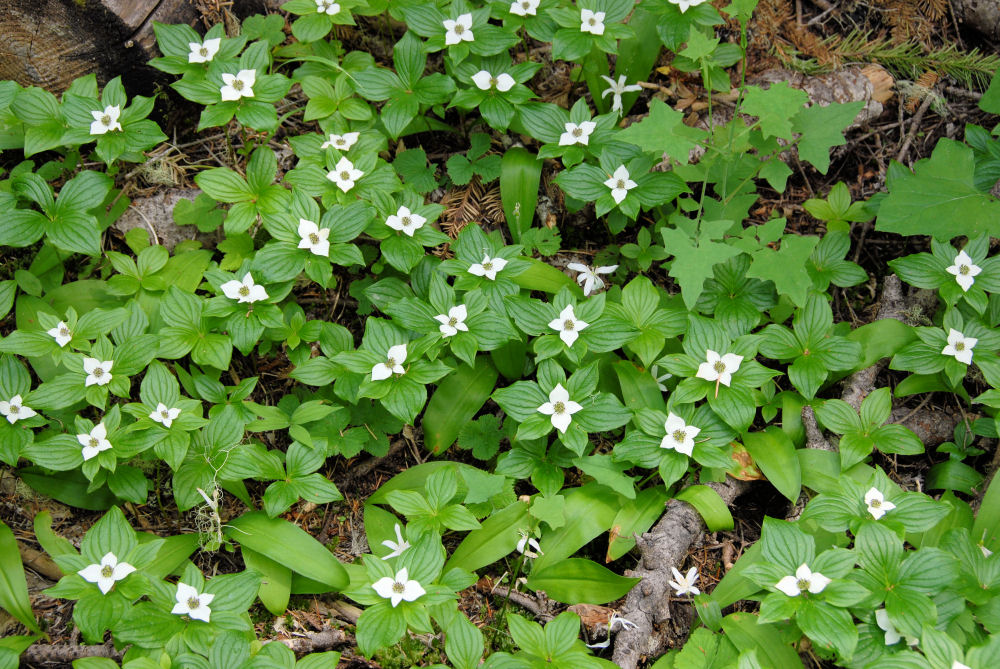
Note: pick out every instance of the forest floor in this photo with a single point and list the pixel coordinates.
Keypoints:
(800, 35)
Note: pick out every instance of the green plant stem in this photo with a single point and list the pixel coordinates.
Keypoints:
(501, 615)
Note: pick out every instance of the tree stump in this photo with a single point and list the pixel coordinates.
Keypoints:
(48, 43)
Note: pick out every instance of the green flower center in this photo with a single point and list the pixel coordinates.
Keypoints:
(620, 185)
(592, 21)
(390, 362)
(238, 84)
(107, 571)
(399, 587)
(487, 266)
(577, 132)
(313, 238)
(679, 436)
(559, 407)
(875, 504)
(14, 409)
(93, 442)
(165, 413)
(964, 269)
(204, 52)
(803, 584)
(244, 291)
(406, 221)
(106, 119)
(719, 366)
(63, 332)
(960, 346)
(568, 324)
(459, 29)
(345, 176)
(98, 372)
(452, 321)
(193, 603)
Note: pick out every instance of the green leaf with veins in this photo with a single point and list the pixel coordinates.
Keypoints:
(693, 264)
(822, 128)
(786, 267)
(663, 131)
(775, 107)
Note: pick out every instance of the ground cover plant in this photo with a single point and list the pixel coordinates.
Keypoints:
(567, 409)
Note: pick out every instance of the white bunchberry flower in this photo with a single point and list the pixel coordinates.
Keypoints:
(459, 30)
(590, 278)
(191, 603)
(98, 371)
(484, 81)
(165, 415)
(684, 584)
(614, 620)
(239, 85)
(525, 7)
(341, 142)
(719, 368)
(877, 504)
(577, 133)
(106, 121)
(618, 88)
(686, 4)
(398, 546)
(892, 635)
(964, 270)
(14, 410)
(405, 221)
(107, 573)
(592, 22)
(568, 325)
(60, 333)
(398, 589)
(393, 364)
(314, 238)
(204, 52)
(803, 580)
(620, 184)
(327, 7)
(526, 543)
(453, 321)
(488, 267)
(344, 174)
(245, 290)
(959, 346)
(560, 407)
(94, 441)
(680, 436)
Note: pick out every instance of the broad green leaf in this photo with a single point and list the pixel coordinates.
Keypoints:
(455, 402)
(774, 453)
(496, 537)
(707, 502)
(520, 176)
(663, 131)
(579, 581)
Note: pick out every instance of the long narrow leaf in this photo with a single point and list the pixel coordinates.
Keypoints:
(520, 175)
(13, 586)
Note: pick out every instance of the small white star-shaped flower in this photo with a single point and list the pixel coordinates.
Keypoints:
(484, 81)
(526, 543)
(959, 346)
(686, 4)
(107, 573)
(453, 321)
(191, 603)
(60, 333)
(459, 30)
(590, 278)
(398, 546)
(577, 133)
(488, 267)
(560, 407)
(314, 238)
(327, 7)
(876, 503)
(568, 325)
(405, 221)
(165, 415)
(684, 584)
(618, 88)
(14, 410)
(620, 184)
(398, 589)
(719, 368)
(94, 442)
(525, 7)
(239, 85)
(341, 142)
(106, 121)
(803, 580)
(393, 364)
(592, 22)
(204, 52)
(98, 371)
(680, 436)
(344, 174)
(245, 290)
(964, 270)
(892, 635)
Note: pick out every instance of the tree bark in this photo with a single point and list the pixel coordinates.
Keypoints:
(48, 43)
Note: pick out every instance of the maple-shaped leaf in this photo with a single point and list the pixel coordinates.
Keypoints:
(775, 107)
(939, 198)
(663, 131)
(692, 264)
(822, 128)
(786, 267)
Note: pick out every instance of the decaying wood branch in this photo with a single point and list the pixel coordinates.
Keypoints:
(64, 654)
(663, 547)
